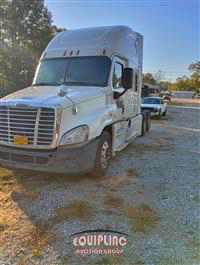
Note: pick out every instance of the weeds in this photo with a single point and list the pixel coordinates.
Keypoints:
(76, 210)
(132, 173)
(114, 202)
(143, 217)
(37, 253)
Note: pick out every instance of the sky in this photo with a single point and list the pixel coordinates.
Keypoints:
(171, 28)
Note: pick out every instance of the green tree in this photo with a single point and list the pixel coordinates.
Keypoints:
(194, 81)
(164, 85)
(159, 75)
(25, 30)
(195, 67)
(148, 79)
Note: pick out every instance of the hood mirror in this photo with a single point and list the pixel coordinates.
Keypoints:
(62, 91)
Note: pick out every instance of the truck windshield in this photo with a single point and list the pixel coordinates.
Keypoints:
(74, 71)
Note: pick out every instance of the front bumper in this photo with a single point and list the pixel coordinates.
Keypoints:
(61, 160)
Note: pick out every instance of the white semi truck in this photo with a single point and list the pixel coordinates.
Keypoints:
(82, 107)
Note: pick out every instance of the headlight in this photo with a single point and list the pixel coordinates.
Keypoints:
(77, 135)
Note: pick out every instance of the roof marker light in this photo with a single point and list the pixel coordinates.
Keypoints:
(77, 53)
(104, 51)
(65, 52)
(71, 53)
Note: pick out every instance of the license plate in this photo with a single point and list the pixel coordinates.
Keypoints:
(20, 140)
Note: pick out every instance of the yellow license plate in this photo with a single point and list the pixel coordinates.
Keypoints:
(20, 140)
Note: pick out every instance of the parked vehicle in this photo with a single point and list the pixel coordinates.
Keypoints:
(166, 97)
(155, 105)
(197, 96)
(82, 107)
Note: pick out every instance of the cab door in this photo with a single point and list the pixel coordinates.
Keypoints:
(121, 112)
(134, 127)
(121, 102)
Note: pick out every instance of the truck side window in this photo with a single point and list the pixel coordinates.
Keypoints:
(136, 82)
(117, 75)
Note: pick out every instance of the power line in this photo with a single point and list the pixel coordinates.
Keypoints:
(121, 1)
(170, 72)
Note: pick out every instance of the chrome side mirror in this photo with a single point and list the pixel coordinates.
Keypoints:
(62, 91)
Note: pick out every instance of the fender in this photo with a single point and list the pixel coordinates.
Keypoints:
(96, 119)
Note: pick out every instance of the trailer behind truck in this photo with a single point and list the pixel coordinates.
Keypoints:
(83, 105)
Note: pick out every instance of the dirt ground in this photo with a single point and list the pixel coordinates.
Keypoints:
(151, 192)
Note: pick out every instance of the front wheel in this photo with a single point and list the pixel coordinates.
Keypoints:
(103, 155)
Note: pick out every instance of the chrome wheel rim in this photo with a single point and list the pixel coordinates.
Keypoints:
(105, 155)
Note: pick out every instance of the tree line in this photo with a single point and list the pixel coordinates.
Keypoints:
(191, 83)
(25, 30)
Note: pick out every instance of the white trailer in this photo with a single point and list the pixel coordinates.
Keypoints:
(82, 107)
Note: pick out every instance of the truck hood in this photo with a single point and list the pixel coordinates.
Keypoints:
(48, 95)
(150, 105)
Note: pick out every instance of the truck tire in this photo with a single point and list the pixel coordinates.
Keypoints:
(164, 113)
(143, 128)
(148, 120)
(103, 155)
(159, 114)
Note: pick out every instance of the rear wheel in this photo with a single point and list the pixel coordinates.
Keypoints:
(103, 155)
(143, 128)
(159, 114)
(148, 120)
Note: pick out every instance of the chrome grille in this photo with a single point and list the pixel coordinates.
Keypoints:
(35, 123)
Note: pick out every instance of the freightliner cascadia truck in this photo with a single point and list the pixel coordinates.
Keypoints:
(82, 107)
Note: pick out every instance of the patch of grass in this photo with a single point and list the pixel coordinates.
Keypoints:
(104, 261)
(5, 172)
(137, 263)
(76, 210)
(3, 226)
(113, 182)
(39, 236)
(109, 260)
(174, 103)
(196, 199)
(114, 260)
(143, 217)
(161, 187)
(33, 195)
(193, 243)
(155, 148)
(141, 192)
(37, 253)
(114, 201)
(197, 256)
(132, 173)
(6, 180)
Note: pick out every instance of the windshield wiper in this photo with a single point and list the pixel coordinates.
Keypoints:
(79, 84)
(44, 84)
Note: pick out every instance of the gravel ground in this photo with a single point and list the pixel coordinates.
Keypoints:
(151, 192)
